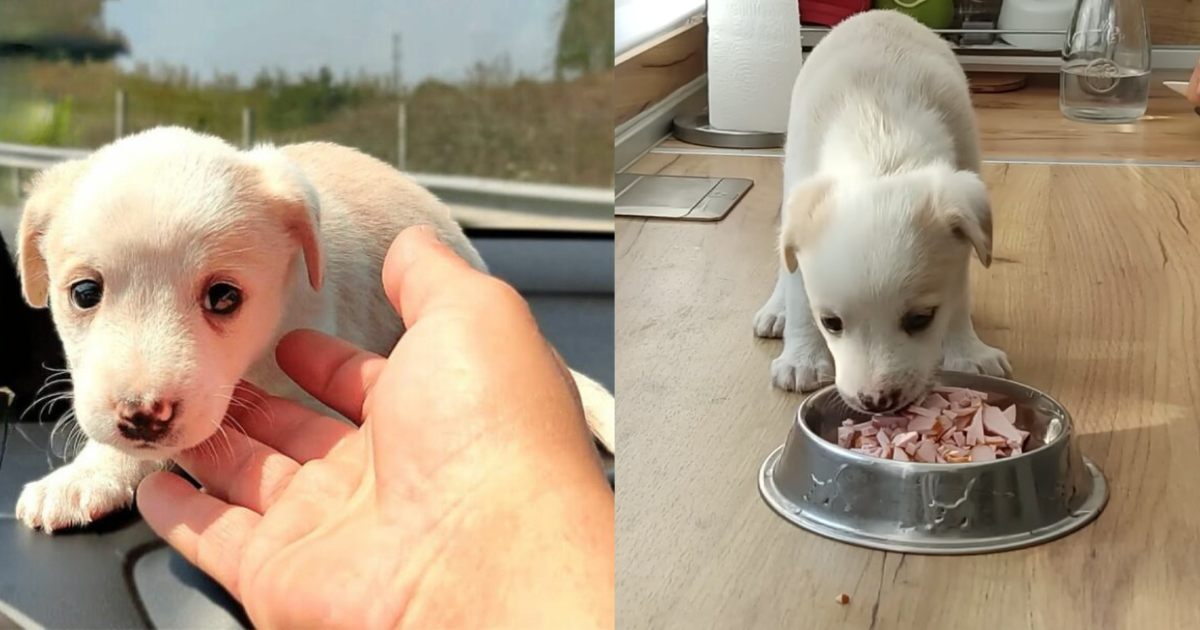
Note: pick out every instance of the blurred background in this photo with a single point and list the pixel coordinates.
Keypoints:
(510, 92)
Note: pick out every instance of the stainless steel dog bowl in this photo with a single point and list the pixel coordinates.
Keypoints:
(1046, 492)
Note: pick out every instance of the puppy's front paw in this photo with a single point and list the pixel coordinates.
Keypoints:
(769, 321)
(977, 357)
(74, 495)
(801, 372)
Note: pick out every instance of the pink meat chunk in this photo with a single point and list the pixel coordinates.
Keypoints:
(904, 439)
(845, 437)
(950, 425)
(982, 453)
(975, 429)
(922, 424)
(924, 411)
(935, 401)
(927, 452)
(998, 424)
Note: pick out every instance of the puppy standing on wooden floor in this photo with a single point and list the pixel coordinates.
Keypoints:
(173, 263)
(883, 203)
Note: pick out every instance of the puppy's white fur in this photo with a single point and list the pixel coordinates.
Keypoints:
(883, 204)
(156, 218)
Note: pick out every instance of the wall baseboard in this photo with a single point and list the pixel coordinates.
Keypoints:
(644, 131)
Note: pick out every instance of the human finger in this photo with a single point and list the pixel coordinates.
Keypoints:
(290, 428)
(334, 371)
(421, 275)
(239, 469)
(208, 532)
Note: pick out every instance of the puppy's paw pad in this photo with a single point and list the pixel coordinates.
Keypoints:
(71, 497)
(769, 322)
(979, 358)
(803, 373)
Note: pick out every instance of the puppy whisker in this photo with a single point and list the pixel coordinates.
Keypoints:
(259, 407)
(74, 439)
(45, 403)
(840, 408)
(49, 404)
(52, 380)
(259, 401)
(222, 435)
(235, 425)
(77, 439)
(237, 403)
(41, 394)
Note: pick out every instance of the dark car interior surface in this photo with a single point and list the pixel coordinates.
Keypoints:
(118, 574)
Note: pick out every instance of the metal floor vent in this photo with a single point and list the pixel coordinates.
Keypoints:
(678, 197)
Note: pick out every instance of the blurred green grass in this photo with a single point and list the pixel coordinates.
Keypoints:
(490, 125)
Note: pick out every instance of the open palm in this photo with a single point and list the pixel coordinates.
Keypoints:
(471, 457)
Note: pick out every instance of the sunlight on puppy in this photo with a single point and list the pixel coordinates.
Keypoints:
(883, 205)
(173, 263)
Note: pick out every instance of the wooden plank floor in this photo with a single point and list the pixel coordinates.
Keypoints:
(1095, 299)
(1027, 124)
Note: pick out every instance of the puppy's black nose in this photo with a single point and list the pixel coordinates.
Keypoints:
(146, 422)
(879, 401)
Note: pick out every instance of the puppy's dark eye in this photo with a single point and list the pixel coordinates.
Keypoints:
(913, 323)
(86, 294)
(222, 298)
(832, 324)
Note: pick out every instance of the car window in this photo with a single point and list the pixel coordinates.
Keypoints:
(502, 123)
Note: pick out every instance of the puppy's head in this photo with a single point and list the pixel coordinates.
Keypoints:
(165, 259)
(884, 263)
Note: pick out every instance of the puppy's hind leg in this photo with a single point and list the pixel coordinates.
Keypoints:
(769, 321)
(805, 364)
(99, 481)
(964, 351)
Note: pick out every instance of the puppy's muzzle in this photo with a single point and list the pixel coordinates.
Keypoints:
(144, 422)
(880, 402)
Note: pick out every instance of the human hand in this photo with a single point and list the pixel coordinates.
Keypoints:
(471, 496)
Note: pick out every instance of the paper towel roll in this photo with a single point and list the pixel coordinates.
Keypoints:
(754, 56)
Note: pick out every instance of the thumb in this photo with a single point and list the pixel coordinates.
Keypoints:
(421, 274)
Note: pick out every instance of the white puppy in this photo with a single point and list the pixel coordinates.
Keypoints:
(883, 204)
(173, 263)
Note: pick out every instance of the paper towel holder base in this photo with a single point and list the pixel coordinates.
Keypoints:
(694, 129)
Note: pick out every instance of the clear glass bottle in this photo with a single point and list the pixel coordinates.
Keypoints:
(1105, 75)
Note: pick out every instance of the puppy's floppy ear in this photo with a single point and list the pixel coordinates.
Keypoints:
(48, 191)
(804, 213)
(290, 196)
(961, 200)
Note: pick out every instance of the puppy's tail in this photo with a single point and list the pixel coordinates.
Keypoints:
(599, 409)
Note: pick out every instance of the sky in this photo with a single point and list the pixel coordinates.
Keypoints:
(439, 38)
